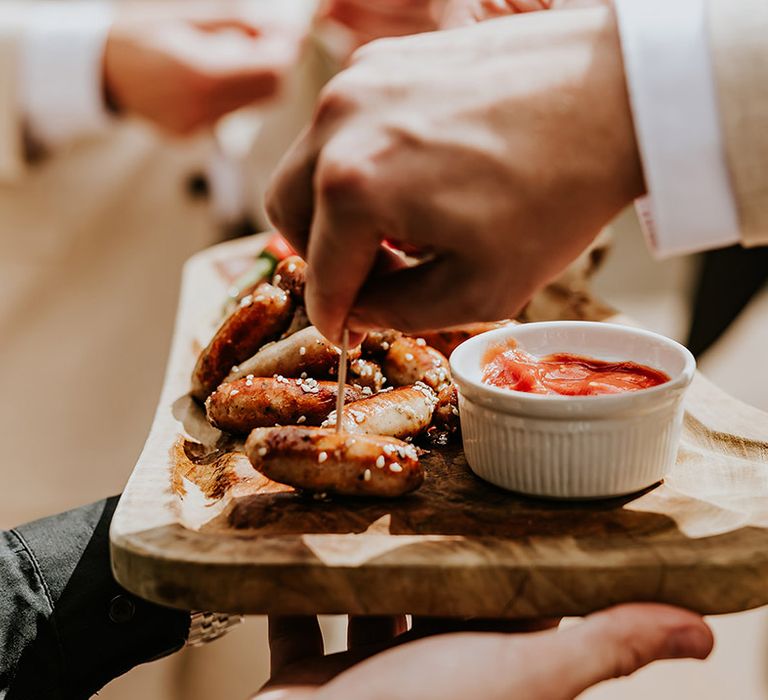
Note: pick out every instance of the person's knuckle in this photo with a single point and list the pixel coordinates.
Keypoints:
(340, 178)
(627, 658)
(626, 652)
(337, 99)
(369, 51)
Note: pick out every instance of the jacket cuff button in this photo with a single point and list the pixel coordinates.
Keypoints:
(121, 609)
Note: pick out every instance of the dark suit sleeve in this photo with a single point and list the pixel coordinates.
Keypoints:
(66, 627)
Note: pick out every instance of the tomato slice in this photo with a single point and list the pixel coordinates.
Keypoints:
(278, 247)
(402, 247)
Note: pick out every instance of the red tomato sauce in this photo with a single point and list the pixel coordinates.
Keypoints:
(565, 374)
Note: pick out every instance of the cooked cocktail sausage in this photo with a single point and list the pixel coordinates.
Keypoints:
(255, 402)
(366, 373)
(298, 323)
(305, 352)
(401, 413)
(446, 416)
(259, 318)
(326, 462)
(411, 360)
(447, 340)
(377, 343)
(291, 276)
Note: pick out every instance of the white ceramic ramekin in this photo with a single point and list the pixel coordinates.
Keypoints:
(573, 447)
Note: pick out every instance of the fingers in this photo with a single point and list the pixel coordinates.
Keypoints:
(286, 693)
(293, 639)
(223, 71)
(571, 4)
(367, 631)
(216, 24)
(527, 5)
(370, 20)
(549, 665)
(290, 198)
(437, 294)
(407, 300)
(431, 626)
(462, 12)
(614, 643)
(342, 251)
(245, 69)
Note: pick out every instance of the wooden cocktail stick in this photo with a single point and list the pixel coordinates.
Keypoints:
(342, 379)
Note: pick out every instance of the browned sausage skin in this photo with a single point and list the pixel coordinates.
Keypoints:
(377, 343)
(299, 322)
(448, 339)
(259, 318)
(257, 402)
(401, 413)
(291, 276)
(305, 352)
(411, 360)
(366, 373)
(326, 462)
(446, 416)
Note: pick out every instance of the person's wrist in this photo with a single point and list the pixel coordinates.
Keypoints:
(612, 102)
(631, 153)
(108, 93)
(114, 48)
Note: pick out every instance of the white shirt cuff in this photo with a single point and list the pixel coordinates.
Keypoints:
(668, 66)
(62, 51)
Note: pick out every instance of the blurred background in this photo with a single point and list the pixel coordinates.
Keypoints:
(105, 190)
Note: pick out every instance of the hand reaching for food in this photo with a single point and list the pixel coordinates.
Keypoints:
(501, 205)
(182, 69)
(479, 659)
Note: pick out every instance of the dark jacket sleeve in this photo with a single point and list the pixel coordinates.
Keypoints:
(66, 627)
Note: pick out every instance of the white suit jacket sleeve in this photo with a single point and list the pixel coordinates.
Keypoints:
(697, 73)
(51, 90)
(61, 75)
(738, 35)
(670, 78)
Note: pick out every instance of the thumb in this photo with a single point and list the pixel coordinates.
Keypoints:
(615, 643)
(459, 13)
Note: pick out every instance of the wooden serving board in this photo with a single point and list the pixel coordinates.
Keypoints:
(197, 528)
